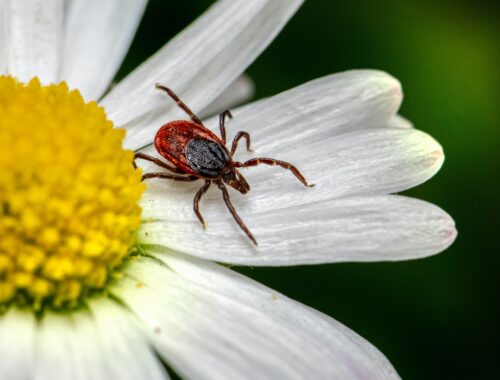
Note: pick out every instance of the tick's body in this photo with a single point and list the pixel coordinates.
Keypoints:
(192, 148)
(198, 153)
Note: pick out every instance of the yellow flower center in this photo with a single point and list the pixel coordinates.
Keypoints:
(68, 195)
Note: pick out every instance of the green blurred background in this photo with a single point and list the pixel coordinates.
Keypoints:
(438, 317)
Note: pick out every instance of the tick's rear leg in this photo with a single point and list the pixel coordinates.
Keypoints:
(157, 161)
(272, 162)
(222, 124)
(237, 138)
(180, 103)
(169, 176)
(197, 198)
(233, 212)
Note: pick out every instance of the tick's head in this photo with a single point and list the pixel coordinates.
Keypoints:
(234, 179)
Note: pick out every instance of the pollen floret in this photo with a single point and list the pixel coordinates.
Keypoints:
(68, 195)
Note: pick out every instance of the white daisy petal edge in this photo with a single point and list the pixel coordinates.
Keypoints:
(31, 38)
(208, 322)
(239, 91)
(198, 64)
(324, 107)
(331, 105)
(17, 342)
(98, 35)
(319, 109)
(379, 228)
(398, 121)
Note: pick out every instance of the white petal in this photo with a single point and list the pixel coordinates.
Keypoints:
(77, 346)
(319, 109)
(17, 329)
(211, 323)
(98, 35)
(125, 350)
(58, 354)
(398, 121)
(198, 64)
(241, 90)
(4, 28)
(324, 107)
(373, 161)
(33, 38)
(379, 228)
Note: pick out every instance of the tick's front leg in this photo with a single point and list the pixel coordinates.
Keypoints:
(180, 103)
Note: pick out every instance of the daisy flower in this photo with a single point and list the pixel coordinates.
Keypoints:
(91, 287)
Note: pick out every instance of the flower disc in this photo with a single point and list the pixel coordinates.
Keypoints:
(68, 195)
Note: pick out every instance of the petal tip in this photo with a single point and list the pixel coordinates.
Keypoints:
(428, 150)
(395, 88)
(435, 154)
(448, 233)
(438, 156)
(386, 83)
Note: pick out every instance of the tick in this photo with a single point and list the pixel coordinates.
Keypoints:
(197, 153)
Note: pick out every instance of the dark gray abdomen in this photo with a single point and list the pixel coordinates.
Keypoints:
(206, 157)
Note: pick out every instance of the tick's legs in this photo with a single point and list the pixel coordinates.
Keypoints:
(272, 161)
(180, 103)
(237, 138)
(233, 212)
(222, 121)
(168, 176)
(239, 135)
(155, 160)
(197, 198)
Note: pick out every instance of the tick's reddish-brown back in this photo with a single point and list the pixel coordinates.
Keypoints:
(177, 138)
